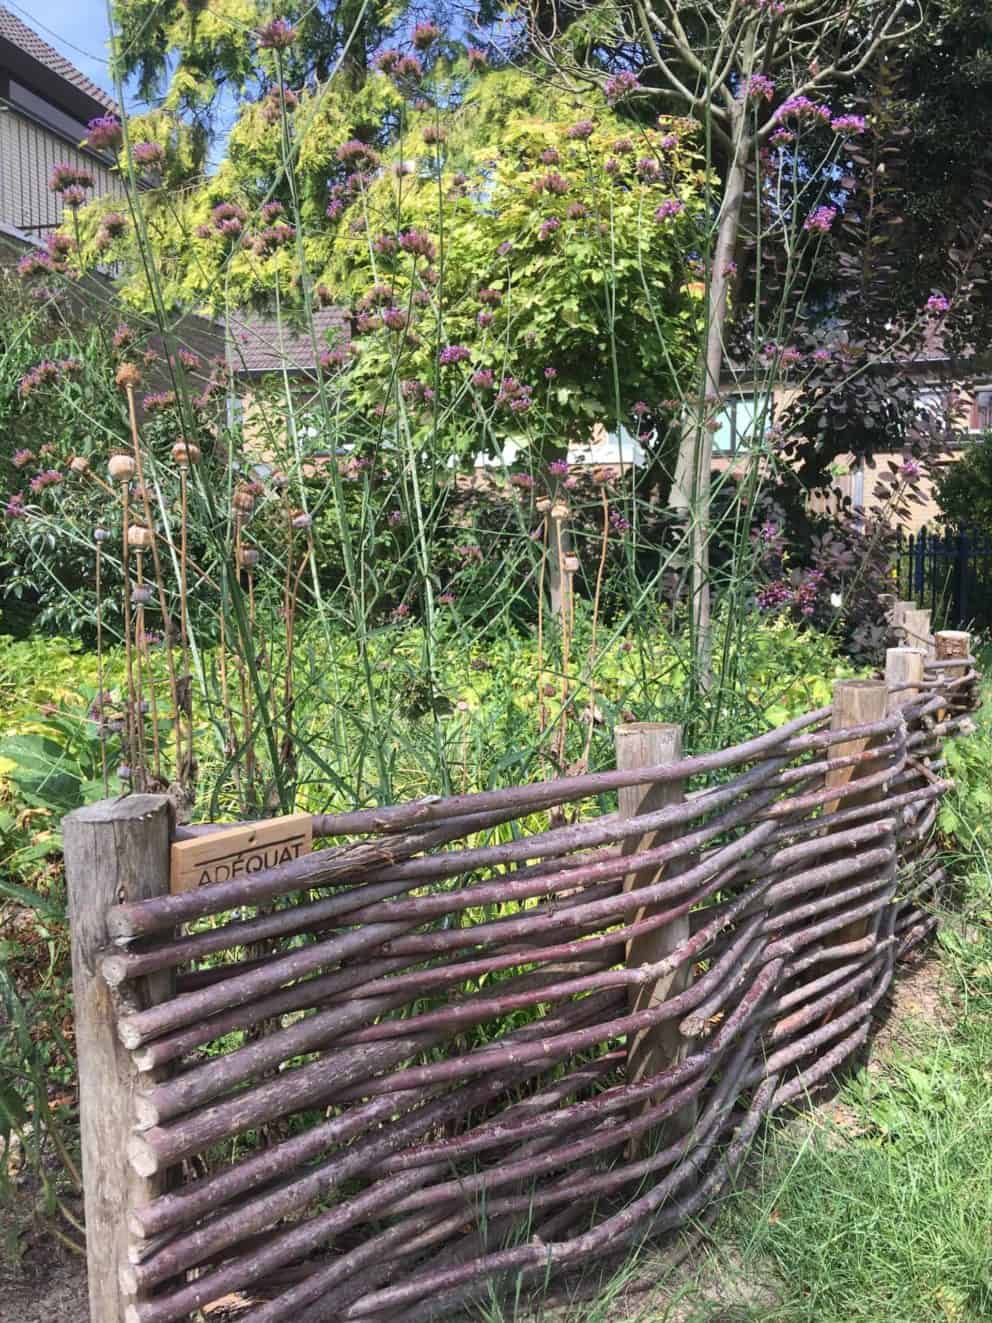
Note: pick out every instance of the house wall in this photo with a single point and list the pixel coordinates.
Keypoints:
(28, 151)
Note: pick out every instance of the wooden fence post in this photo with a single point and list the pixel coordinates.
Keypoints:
(916, 630)
(897, 619)
(948, 645)
(652, 744)
(856, 703)
(903, 675)
(115, 851)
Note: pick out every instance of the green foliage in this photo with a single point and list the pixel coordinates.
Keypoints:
(965, 488)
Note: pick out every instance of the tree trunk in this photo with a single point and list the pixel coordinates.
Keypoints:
(691, 487)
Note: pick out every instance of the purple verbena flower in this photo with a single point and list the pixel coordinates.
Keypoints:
(418, 243)
(620, 86)
(553, 183)
(276, 35)
(453, 354)
(800, 107)
(759, 87)
(580, 131)
(670, 207)
(849, 124)
(820, 219)
(104, 134)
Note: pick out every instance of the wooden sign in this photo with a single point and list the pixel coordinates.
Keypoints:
(239, 851)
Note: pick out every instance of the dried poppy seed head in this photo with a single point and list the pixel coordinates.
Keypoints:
(185, 453)
(139, 538)
(121, 468)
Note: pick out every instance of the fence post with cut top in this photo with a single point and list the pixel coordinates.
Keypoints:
(652, 744)
(856, 703)
(116, 851)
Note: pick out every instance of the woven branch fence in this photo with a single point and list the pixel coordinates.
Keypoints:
(496, 1035)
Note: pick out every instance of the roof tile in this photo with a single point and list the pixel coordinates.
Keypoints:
(27, 40)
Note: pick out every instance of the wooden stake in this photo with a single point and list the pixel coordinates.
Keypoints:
(916, 630)
(856, 703)
(948, 645)
(903, 675)
(652, 744)
(115, 851)
(897, 619)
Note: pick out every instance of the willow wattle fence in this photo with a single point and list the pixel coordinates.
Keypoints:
(480, 1041)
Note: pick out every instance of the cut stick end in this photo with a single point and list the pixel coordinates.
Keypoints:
(129, 1285)
(142, 1156)
(143, 1058)
(137, 1229)
(146, 1114)
(114, 969)
(128, 1034)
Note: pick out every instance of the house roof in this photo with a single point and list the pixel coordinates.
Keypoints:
(260, 344)
(27, 41)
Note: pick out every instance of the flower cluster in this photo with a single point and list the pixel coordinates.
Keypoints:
(278, 100)
(149, 155)
(276, 35)
(357, 153)
(548, 227)
(14, 509)
(514, 395)
(620, 86)
(820, 219)
(670, 207)
(937, 303)
(47, 478)
(434, 133)
(113, 224)
(759, 87)
(104, 134)
(228, 219)
(849, 124)
(800, 107)
(35, 264)
(399, 66)
(552, 183)
(417, 243)
(270, 239)
(774, 596)
(68, 176)
(453, 354)
(46, 373)
(425, 35)
(581, 131)
(477, 59)
(159, 401)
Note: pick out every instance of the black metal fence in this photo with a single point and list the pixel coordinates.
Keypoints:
(949, 572)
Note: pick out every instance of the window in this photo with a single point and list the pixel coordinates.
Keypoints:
(739, 422)
(981, 410)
